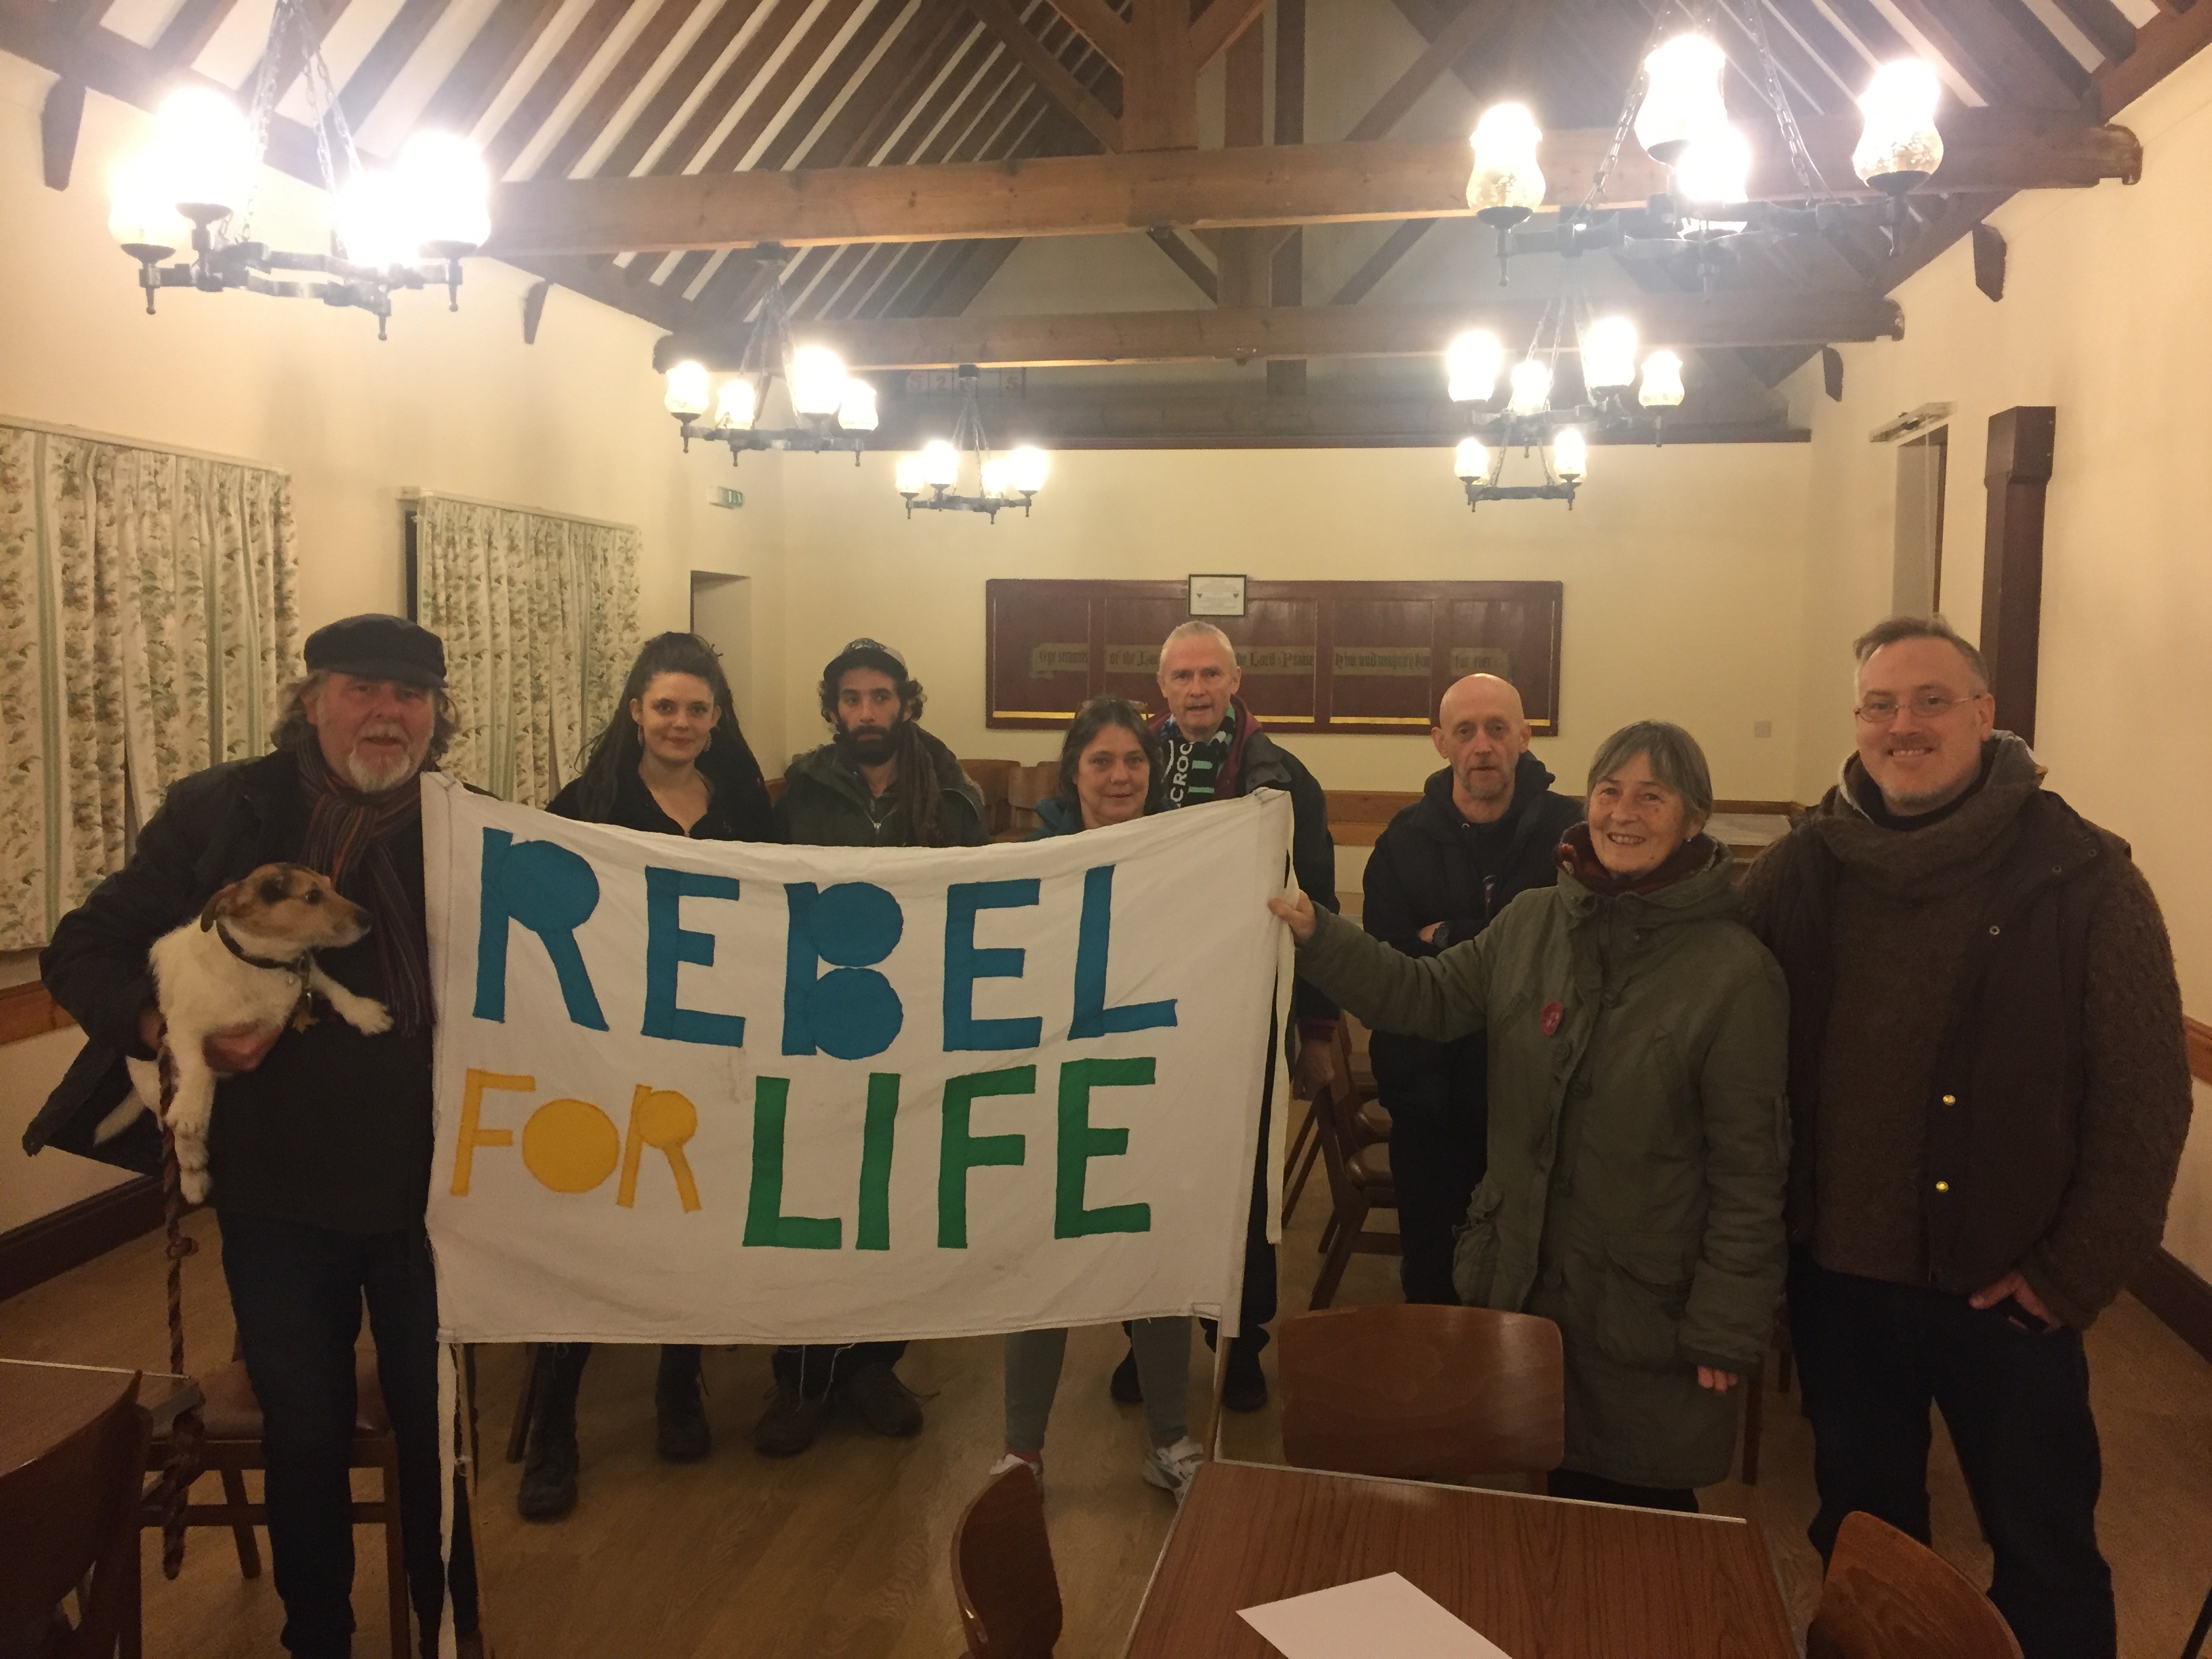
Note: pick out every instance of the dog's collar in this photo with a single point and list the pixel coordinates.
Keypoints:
(294, 965)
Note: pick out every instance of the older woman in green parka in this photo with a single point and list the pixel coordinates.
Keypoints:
(1638, 1134)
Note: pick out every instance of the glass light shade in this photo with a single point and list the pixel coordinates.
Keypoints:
(1506, 184)
(1900, 146)
(997, 479)
(910, 479)
(1570, 452)
(1471, 365)
(1714, 170)
(856, 407)
(373, 222)
(141, 210)
(817, 381)
(1663, 380)
(1471, 460)
(1532, 388)
(1026, 467)
(1609, 355)
(1681, 95)
(688, 392)
(940, 463)
(206, 147)
(736, 404)
(446, 193)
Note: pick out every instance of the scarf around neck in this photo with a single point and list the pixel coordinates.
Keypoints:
(349, 839)
(1578, 857)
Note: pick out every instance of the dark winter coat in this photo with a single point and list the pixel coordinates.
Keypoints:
(333, 1128)
(826, 803)
(1423, 870)
(737, 806)
(1638, 1145)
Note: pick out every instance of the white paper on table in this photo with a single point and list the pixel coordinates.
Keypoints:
(1381, 1617)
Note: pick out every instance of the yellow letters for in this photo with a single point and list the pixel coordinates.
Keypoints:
(464, 1149)
(664, 1120)
(570, 1145)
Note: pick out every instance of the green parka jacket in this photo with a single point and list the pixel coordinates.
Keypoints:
(1638, 1145)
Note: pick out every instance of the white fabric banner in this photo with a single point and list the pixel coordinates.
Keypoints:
(711, 1091)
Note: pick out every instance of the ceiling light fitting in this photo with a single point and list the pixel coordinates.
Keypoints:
(836, 410)
(194, 185)
(928, 479)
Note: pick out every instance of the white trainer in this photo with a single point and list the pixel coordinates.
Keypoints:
(1016, 1460)
(1171, 1468)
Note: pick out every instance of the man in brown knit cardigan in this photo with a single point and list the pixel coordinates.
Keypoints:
(1989, 1093)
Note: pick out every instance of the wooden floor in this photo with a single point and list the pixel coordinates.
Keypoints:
(844, 1551)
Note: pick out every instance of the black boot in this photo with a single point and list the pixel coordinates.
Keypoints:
(679, 1402)
(1243, 1384)
(1125, 1385)
(548, 1490)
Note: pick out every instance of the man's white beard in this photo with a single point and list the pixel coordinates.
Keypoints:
(373, 778)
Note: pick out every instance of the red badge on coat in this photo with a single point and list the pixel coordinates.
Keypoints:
(1554, 1013)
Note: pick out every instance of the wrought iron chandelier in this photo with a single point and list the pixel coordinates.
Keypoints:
(928, 479)
(194, 185)
(836, 410)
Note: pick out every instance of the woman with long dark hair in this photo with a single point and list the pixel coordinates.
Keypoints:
(670, 760)
(1109, 773)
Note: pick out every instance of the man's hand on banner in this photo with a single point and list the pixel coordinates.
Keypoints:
(1298, 911)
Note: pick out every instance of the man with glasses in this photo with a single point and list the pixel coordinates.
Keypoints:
(1989, 1094)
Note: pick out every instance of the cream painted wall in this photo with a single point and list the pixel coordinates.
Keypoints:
(2103, 318)
(1681, 566)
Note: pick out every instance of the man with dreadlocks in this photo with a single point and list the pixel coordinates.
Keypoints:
(320, 1144)
(881, 781)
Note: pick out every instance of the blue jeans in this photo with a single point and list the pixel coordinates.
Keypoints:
(1875, 1356)
(297, 1292)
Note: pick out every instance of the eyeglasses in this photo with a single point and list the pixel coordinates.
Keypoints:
(1924, 705)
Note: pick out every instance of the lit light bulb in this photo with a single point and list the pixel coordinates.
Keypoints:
(1471, 460)
(372, 222)
(687, 396)
(1714, 170)
(1900, 147)
(205, 146)
(1570, 452)
(817, 381)
(1026, 467)
(910, 479)
(1609, 355)
(997, 481)
(142, 210)
(1506, 184)
(1471, 365)
(940, 463)
(1663, 380)
(1532, 388)
(1681, 95)
(856, 407)
(736, 404)
(446, 191)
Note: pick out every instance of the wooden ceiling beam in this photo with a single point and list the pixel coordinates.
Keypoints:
(1103, 27)
(1045, 68)
(1975, 39)
(553, 81)
(608, 98)
(2105, 24)
(1381, 263)
(1069, 196)
(365, 88)
(185, 35)
(1680, 320)
(1216, 29)
(1474, 22)
(2162, 45)
(486, 64)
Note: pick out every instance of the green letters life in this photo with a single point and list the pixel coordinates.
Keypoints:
(961, 1152)
(765, 1221)
(1080, 1143)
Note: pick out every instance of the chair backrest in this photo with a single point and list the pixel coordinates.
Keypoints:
(1333, 1109)
(1423, 1393)
(70, 1515)
(1002, 1576)
(1889, 1596)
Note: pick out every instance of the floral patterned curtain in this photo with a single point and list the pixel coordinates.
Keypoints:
(539, 617)
(148, 615)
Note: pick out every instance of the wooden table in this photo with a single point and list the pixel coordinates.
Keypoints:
(41, 1405)
(1542, 1577)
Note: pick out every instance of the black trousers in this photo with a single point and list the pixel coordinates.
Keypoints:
(297, 1292)
(1876, 1355)
(815, 1369)
(1435, 1164)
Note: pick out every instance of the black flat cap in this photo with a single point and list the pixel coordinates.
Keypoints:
(379, 648)
(865, 653)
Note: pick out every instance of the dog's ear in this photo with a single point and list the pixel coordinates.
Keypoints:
(224, 903)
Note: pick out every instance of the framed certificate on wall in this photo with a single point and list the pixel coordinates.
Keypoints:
(1348, 657)
(1216, 596)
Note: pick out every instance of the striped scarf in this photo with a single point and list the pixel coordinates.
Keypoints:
(349, 839)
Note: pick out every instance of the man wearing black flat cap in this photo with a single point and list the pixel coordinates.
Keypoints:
(320, 1152)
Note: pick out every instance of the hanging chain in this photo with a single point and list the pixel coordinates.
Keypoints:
(1778, 100)
(1626, 123)
(292, 40)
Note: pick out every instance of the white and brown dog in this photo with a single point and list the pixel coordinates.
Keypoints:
(250, 962)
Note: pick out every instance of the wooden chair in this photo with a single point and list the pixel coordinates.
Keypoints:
(1423, 1393)
(1754, 1394)
(1887, 1596)
(1372, 1121)
(991, 777)
(1359, 1182)
(65, 1525)
(232, 1445)
(1025, 787)
(1002, 1574)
